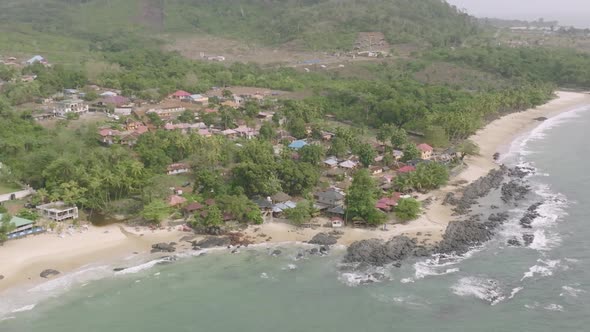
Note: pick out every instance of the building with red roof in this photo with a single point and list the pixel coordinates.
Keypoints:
(180, 94)
(426, 151)
(406, 169)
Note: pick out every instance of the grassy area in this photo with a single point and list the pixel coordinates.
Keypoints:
(6, 188)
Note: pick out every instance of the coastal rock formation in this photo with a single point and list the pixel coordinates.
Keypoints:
(498, 217)
(514, 190)
(276, 252)
(379, 253)
(530, 215)
(521, 172)
(540, 119)
(212, 242)
(514, 242)
(528, 239)
(163, 247)
(478, 189)
(49, 273)
(323, 239)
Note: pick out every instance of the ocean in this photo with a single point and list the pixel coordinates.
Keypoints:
(544, 286)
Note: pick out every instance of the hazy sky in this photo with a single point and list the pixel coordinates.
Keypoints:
(567, 12)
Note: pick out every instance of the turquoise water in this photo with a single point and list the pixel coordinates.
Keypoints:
(496, 288)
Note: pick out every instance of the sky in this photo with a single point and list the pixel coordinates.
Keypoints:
(567, 12)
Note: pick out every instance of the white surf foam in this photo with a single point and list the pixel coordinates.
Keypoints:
(24, 308)
(483, 289)
(515, 291)
(544, 269)
(553, 307)
(571, 291)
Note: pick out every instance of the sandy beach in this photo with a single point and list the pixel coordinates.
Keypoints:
(22, 260)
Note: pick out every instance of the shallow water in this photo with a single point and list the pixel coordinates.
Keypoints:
(544, 287)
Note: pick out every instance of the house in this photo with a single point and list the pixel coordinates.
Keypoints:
(406, 169)
(71, 106)
(20, 224)
(114, 101)
(180, 95)
(426, 151)
(230, 133)
(348, 164)
(177, 168)
(281, 207)
(175, 200)
(108, 135)
(192, 208)
(58, 211)
(280, 197)
(337, 211)
(108, 94)
(167, 112)
(397, 154)
(376, 170)
(337, 222)
(296, 145)
(200, 99)
(265, 115)
(246, 132)
(330, 197)
(331, 162)
(386, 204)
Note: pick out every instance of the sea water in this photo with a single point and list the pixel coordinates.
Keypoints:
(495, 287)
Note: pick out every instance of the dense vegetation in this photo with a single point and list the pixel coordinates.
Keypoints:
(563, 67)
(315, 24)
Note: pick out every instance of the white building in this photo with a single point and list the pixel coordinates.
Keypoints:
(58, 211)
(71, 106)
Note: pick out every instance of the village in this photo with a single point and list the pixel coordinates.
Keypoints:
(124, 120)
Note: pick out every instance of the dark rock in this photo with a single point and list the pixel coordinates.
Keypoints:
(514, 190)
(528, 238)
(541, 118)
(499, 218)
(496, 156)
(235, 251)
(276, 252)
(1, 277)
(477, 189)
(314, 251)
(172, 243)
(514, 242)
(462, 235)
(49, 273)
(530, 215)
(212, 242)
(377, 252)
(494, 207)
(300, 255)
(117, 269)
(163, 247)
(323, 239)
(324, 249)
(521, 172)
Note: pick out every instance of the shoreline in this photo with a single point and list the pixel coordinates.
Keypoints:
(22, 260)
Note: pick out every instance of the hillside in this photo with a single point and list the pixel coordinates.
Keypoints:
(303, 24)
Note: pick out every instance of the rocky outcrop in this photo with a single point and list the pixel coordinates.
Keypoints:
(323, 239)
(521, 172)
(514, 191)
(212, 242)
(379, 253)
(276, 252)
(49, 273)
(514, 242)
(163, 247)
(530, 215)
(528, 239)
(478, 189)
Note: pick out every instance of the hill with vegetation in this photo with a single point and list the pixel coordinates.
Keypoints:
(309, 24)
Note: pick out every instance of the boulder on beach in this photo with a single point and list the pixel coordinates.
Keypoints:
(323, 239)
(118, 269)
(379, 253)
(49, 273)
(163, 247)
(1, 277)
(212, 242)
